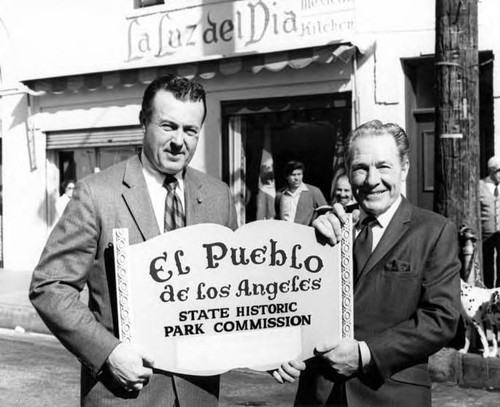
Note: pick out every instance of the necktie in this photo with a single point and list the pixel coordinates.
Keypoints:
(174, 214)
(496, 190)
(363, 245)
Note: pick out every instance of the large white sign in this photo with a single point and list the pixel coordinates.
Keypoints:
(228, 28)
(204, 299)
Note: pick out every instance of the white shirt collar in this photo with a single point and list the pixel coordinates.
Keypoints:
(153, 175)
(303, 187)
(384, 218)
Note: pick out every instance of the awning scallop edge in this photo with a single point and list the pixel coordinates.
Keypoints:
(273, 62)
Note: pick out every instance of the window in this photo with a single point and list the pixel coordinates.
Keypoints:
(76, 163)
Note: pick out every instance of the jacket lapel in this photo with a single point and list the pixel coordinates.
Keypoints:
(194, 197)
(397, 227)
(137, 199)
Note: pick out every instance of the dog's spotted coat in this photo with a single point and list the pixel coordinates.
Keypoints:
(476, 303)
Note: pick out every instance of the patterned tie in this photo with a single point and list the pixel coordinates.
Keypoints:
(363, 245)
(174, 214)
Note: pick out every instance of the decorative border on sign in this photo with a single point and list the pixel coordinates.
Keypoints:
(120, 243)
(347, 280)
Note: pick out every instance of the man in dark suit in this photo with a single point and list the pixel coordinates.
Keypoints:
(134, 195)
(297, 202)
(406, 286)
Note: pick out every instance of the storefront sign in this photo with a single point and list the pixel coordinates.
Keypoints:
(204, 299)
(238, 27)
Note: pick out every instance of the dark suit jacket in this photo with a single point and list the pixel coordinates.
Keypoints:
(406, 307)
(308, 202)
(79, 251)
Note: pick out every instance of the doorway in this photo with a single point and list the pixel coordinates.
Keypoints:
(261, 136)
(420, 105)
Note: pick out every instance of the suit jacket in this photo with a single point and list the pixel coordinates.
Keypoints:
(406, 307)
(308, 201)
(79, 252)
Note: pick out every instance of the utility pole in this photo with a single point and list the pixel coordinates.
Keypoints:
(456, 186)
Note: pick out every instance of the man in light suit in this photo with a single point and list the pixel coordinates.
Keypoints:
(406, 289)
(298, 201)
(79, 251)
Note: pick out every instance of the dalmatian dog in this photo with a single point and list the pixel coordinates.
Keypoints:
(478, 303)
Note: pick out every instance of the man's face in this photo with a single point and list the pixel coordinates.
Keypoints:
(494, 171)
(376, 172)
(171, 135)
(295, 179)
(343, 192)
(69, 190)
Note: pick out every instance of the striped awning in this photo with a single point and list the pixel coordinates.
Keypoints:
(273, 62)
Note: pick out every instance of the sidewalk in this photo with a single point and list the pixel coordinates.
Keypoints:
(449, 366)
(15, 307)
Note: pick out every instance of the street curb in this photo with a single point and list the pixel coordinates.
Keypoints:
(465, 370)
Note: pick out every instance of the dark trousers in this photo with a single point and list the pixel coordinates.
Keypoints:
(491, 266)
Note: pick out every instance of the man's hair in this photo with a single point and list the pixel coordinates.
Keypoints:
(341, 176)
(376, 128)
(291, 166)
(183, 89)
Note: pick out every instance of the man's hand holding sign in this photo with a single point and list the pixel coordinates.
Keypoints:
(205, 299)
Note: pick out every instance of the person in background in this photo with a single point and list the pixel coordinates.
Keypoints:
(149, 194)
(67, 187)
(489, 199)
(406, 286)
(298, 201)
(342, 192)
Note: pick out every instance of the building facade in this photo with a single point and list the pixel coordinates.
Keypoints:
(285, 80)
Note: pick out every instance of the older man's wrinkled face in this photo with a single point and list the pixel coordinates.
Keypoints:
(171, 135)
(376, 172)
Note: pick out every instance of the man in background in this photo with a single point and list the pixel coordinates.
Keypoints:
(67, 187)
(149, 194)
(490, 223)
(298, 201)
(342, 191)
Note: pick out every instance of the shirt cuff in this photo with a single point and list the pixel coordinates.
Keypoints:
(365, 355)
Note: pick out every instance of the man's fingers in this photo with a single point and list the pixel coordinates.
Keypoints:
(324, 348)
(147, 359)
(145, 374)
(135, 387)
(298, 364)
(340, 212)
(277, 377)
(285, 375)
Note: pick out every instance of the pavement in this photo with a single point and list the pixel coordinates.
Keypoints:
(16, 311)
(447, 366)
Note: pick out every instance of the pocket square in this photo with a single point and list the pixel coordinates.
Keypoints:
(397, 265)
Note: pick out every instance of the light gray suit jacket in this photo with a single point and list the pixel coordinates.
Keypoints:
(79, 251)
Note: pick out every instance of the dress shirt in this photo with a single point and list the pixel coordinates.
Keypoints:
(289, 202)
(383, 221)
(157, 193)
(377, 232)
(490, 184)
